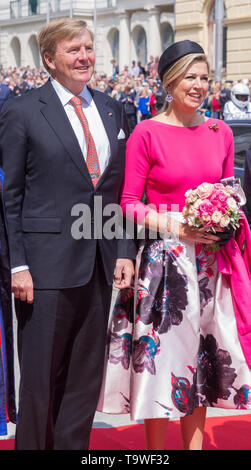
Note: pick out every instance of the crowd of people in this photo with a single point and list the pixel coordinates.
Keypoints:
(140, 89)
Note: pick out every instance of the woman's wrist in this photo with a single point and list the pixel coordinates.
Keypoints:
(157, 221)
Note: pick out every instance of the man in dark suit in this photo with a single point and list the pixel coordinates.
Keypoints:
(63, 150)
(247, 186)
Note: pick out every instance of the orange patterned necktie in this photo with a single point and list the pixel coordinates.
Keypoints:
(92, 157)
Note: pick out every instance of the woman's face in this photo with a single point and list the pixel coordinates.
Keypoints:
(189, 90)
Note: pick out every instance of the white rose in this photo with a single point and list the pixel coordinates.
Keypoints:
(206, 218)
(191, 210)
(231, 202)
(188, 193)
(216, 217)
(197, 203)
(229, 189)
(193, 196)
(225, 221)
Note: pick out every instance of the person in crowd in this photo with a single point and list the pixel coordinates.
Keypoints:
(160, 95)
(141, 69)
(239, 107)
(125, 72)
(151, 61)
(153, 101)
(150, 82)
(115, 68)
(101, 86)
(214, 101)
(110, 87)
(225, 93)
(5, 93)
(154, 68)
(128, 97)
(134, 70)
(63, 148)
(115, 94)
(143, 104)
(21, 87)
(174, 349)
(205, 107)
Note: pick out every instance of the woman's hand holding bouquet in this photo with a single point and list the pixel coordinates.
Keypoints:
(211, 214)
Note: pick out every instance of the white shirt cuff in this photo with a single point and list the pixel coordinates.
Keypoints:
(19, 268)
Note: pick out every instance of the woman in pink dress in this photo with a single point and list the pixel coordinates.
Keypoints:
(173, 347)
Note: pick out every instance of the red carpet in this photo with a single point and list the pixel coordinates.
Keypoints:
(221, 433)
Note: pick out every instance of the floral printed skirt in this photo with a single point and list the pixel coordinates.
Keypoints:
(172, 340)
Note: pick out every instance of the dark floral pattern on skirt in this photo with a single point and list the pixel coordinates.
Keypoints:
(144, 352)
(212, 380)
(123, 310)
(160, 299)
(204, 261)
(119, 348)
(162, 303)
(215, 377)
(242, 399)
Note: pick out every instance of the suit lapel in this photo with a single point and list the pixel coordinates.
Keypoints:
(56, 117)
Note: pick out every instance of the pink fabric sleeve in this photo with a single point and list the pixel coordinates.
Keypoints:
(136, 171)
(228, 165)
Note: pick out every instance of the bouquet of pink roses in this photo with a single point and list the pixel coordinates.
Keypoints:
(215, 206)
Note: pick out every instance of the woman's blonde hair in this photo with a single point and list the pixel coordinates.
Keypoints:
(58, 30)
(179, 68)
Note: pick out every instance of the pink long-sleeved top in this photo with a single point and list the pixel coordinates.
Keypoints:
(166, 161)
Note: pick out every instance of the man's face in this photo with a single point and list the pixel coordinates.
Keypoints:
(73, 62)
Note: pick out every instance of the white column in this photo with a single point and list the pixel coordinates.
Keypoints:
(219, 16)
(154, 47)
(4, 49)
(124, 39)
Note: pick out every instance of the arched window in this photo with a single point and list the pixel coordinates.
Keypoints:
(113, 39)
(34, 51)
(212, 38)
(141, 46)
(15, 53)
(115, 45)
(167, 35)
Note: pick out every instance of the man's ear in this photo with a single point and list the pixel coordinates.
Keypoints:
(49, 61)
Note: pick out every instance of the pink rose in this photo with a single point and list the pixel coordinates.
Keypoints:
(206, 208)
(219, 200)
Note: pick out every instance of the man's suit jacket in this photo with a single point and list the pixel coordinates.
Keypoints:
(247, 185)
(45, 176)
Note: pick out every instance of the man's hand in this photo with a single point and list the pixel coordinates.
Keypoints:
(22, 286)
(124, 271)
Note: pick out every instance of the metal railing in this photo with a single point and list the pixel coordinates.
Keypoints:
(15, 9)
(111, 3)
(22, 8)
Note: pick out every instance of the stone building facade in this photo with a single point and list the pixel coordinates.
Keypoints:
(129, 30)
